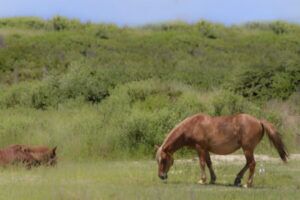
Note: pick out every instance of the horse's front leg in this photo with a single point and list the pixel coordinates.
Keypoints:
(202, 161)
(211, 171)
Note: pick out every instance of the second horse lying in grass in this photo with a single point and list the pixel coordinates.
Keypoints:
(42, 154)
(28, 155)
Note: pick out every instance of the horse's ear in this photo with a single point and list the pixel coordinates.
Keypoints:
(156, 147)
(54, 150)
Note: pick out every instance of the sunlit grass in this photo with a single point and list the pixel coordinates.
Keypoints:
(138, 180)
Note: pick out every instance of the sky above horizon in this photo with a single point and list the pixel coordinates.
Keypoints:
(140, 12)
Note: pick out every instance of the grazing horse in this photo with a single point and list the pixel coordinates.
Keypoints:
(219, 135)
(14, 154)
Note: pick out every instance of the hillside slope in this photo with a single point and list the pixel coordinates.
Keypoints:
(110, 90)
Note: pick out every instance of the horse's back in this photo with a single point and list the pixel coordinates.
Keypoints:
(240, 121)
(39, 149)
(247, 118)
(252, 131)
(226, 134)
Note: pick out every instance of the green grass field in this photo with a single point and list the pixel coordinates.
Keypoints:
(138, 180)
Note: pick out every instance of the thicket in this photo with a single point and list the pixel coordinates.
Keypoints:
(102, 90)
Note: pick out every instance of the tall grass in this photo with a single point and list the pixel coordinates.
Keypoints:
(129, 123)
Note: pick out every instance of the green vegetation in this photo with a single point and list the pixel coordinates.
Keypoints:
(138, 180)
(101, 91)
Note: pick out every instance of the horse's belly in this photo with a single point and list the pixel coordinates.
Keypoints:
(224, 148)
(223, 151)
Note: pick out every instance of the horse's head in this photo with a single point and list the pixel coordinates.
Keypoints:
(164, 161)
(44, 155)
(52, 159)
(48, 158)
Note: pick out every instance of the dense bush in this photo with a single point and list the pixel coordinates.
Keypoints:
(61, 23)
(207, 29)
(203, 55)
(92, 85)
(267, 83)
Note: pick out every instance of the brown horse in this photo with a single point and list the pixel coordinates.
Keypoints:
(219, 135)
(14, 154)
(42, 154)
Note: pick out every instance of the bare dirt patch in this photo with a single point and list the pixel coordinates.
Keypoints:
(216, 159)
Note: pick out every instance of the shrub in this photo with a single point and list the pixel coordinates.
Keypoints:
(17, 95)
(267, 83)
(207, 30)
(279, 27)
(47, 94)
(84, 82)
(60, 23)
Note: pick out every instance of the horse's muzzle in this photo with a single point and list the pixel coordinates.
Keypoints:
(163, 176)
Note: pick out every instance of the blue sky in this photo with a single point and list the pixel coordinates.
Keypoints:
(139, 12)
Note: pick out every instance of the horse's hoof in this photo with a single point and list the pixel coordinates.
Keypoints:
(245, 186)
(213, 180)
(237, 182)
(201, 182)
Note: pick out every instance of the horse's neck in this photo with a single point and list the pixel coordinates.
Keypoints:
(174, 142)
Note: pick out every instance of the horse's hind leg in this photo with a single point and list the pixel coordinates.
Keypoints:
(250, 163)
(202, 160)
(240, 175)
(251, 171)
(211, 171)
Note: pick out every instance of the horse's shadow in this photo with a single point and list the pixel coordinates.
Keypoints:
(230, 185)
(225, 185)
(235, 186)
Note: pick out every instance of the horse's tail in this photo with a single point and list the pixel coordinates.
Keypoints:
(275, 139)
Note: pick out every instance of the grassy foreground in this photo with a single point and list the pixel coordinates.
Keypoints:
(138, 180)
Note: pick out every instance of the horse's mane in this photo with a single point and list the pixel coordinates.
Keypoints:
(174, 134)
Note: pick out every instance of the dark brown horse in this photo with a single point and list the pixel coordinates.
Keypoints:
(219, 135)
(14, 154)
